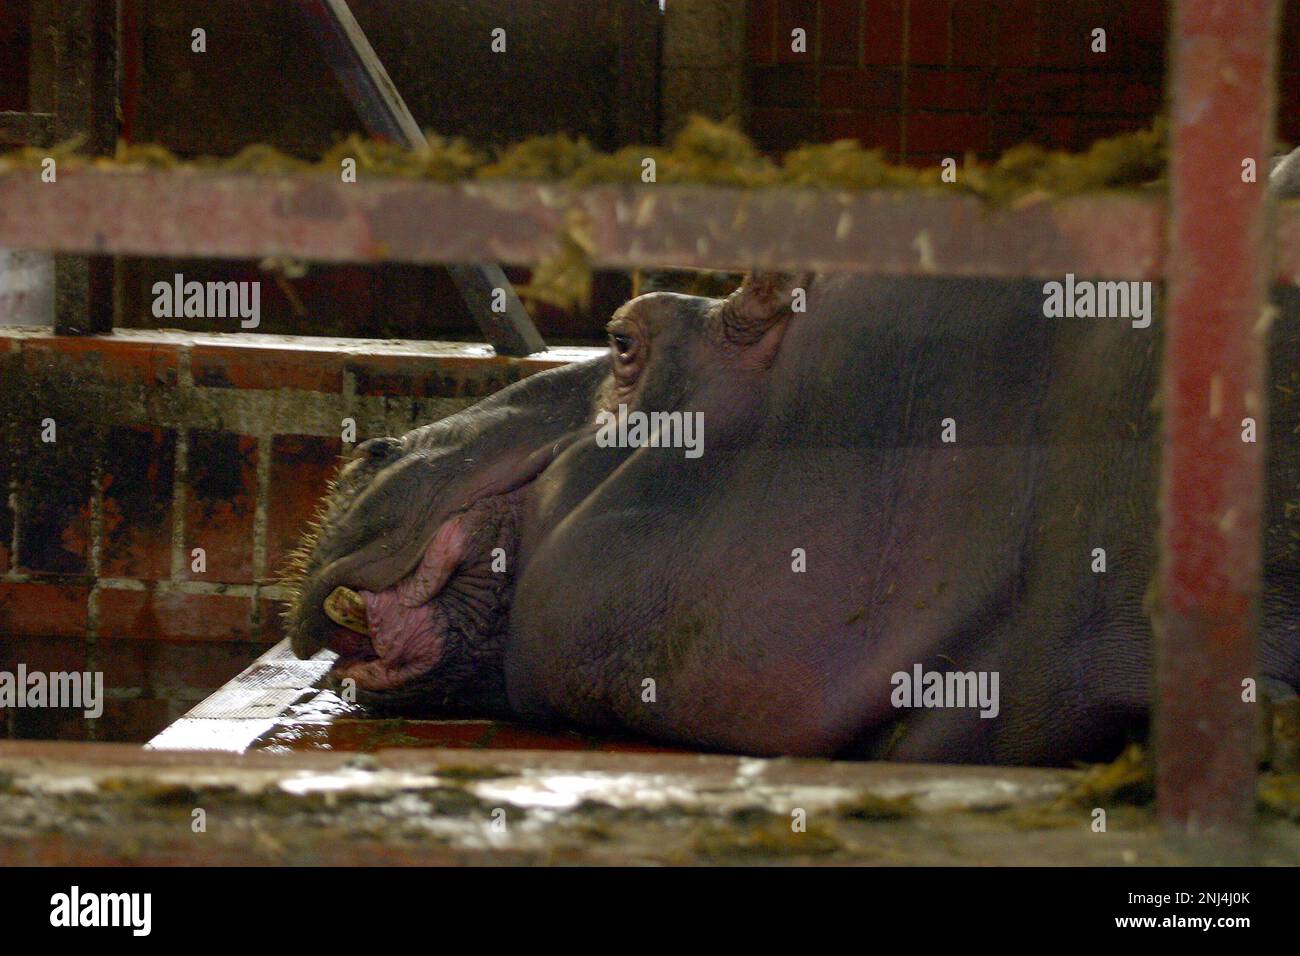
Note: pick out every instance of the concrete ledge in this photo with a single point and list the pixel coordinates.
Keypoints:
(107, 804)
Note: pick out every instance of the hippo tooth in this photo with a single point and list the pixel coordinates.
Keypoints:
(345, 608)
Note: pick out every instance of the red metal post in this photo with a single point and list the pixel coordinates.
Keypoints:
(1223, 75)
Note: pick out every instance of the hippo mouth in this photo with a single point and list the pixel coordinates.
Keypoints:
(407, 571)
(436, 634)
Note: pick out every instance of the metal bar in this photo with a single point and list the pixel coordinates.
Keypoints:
(208, 214)
(385, 114)
(1212, 481)
(82, 84)
(510, 331)
(212, 214)
(360, 72)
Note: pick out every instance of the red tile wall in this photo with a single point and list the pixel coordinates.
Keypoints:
(925, 79)
(105, 518)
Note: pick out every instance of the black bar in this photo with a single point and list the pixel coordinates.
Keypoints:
(384, 114)
(920, 907)
(82, 85)
(507, 335)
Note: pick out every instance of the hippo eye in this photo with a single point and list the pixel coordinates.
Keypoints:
(378, 449)
(623, 344)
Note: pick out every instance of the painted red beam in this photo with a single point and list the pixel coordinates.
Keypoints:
(1212, 492)
(208, 214)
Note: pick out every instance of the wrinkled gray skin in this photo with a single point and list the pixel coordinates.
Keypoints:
(393, 494)
(822, 433)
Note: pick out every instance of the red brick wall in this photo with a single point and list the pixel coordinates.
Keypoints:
(924, 79)
(166, 442)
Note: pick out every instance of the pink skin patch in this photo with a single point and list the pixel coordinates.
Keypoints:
(408, 630)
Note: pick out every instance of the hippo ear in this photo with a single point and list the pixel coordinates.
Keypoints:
(763, 299)
(1284, 179)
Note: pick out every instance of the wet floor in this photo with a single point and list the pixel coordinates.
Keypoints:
(324, 722)
(275, 705)
(66, 803)
(285, 772)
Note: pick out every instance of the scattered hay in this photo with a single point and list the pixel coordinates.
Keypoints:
(717, 153)
(1118, 787)
(771, 839)
(257, 158)
(844, 164)
(872, 807)
(563, 280)
(1129, 780)
(1028, 172)
(446, 159)
(703, 152)
(558, 156)
(1042, 818)
(1279, 794)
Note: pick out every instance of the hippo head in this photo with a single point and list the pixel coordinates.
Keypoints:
(409, 571)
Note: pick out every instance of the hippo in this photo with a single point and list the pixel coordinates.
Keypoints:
(919, 524)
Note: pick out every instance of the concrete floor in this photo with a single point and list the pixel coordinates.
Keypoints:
(272, 770)
(119, 804)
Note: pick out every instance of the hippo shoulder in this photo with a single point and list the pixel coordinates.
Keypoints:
(1284, 178)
